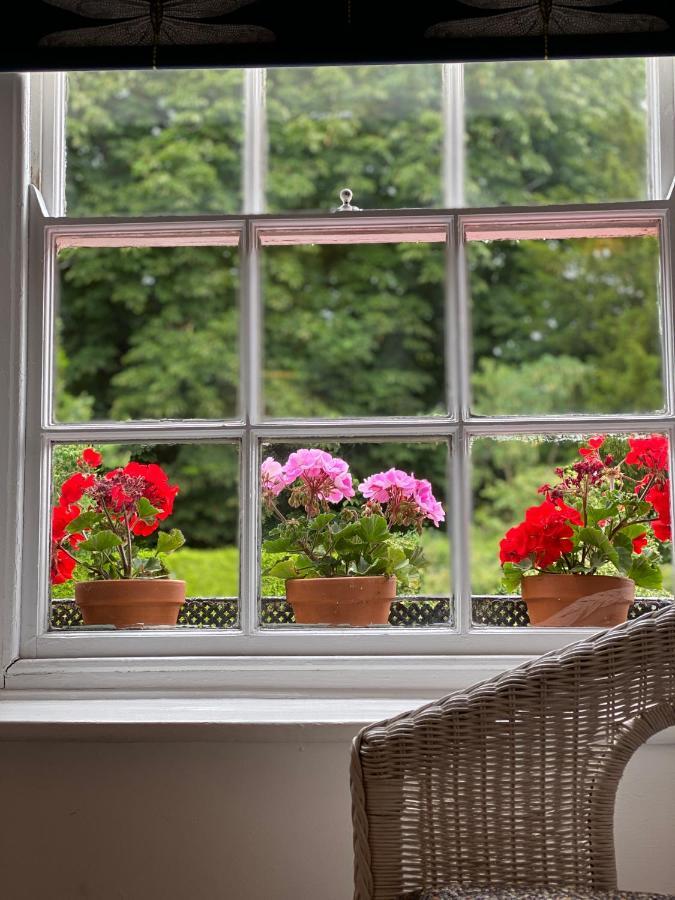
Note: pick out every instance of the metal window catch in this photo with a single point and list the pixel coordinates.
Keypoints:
(346, 197)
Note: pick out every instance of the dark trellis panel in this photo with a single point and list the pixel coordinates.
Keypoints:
(212, 612)
(88, 34)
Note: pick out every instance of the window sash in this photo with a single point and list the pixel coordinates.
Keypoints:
(251, 428)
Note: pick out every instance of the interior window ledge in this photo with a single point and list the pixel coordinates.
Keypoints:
(192, 719)
(195, 719)
(264, 677)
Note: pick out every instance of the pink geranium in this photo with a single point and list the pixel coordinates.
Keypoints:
(325, 477)
(385, 486)
(315, 478)
(273, 478)
(431, 507)
(407, 500)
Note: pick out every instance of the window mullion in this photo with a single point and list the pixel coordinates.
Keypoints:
(251, 411)
(255, 142)
(453, 134)
(459, 358)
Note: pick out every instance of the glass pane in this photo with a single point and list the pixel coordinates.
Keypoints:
(154, 143)
(354, 330)
(566, 325)
(205, 508)
(615, 486)
(556, 131)
(147, 333)
(375, 129)
(312, 491)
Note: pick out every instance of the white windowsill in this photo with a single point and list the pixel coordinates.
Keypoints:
(193, 719)
(233, 719)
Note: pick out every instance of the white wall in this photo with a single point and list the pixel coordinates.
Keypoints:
(249, 821)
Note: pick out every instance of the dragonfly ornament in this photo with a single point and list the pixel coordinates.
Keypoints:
(154, 22)
(525, 18)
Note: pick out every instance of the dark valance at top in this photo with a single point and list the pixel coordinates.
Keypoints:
(102, 34)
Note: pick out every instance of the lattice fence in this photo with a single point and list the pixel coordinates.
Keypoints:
(223, 612)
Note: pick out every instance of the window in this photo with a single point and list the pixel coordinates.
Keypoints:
(503, 295)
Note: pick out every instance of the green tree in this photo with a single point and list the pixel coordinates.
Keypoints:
(357, 330)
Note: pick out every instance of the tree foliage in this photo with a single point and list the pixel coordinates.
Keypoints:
(558, 326)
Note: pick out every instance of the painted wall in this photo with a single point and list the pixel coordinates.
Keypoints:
(248, 821)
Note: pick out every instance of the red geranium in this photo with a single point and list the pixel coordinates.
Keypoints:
(659, 497)
(600, 507)
(650, 452)
(639, 543)
(544, 536)
(157, 491)
(62, 567)
(594, 445)
(115, 506)
(91, 458)
(74, 487)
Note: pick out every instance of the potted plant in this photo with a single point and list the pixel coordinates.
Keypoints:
(95, 526)
(579, 554)
(342, 558)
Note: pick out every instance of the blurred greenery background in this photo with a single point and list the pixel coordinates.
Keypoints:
(558, 325)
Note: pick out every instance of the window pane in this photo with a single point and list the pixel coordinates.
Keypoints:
(154, 143)
(205, 510)
(354, 330)
(566, 325)
(377, 130)
(422, 593)
(147, 333)
(556, 131)
(506, 476)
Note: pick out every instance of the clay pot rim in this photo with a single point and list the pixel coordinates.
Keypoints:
(545, 576)
(343, 578)
(131, 580)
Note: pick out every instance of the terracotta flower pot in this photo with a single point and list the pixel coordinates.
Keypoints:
(341, 601)
(128, 602)
(577, 600)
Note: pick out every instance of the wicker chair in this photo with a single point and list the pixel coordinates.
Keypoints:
(512, 782)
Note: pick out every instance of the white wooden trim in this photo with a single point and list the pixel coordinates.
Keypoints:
(254, 162)
(48, 91)
(365, 676)
(255, 658)
(453, 134)
(661, 131)
(14, 163)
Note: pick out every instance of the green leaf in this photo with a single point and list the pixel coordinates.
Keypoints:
(147, 565)
(145, 508)
(624, 549)
(169, 541)
(318, 523)
(594, 537)
(101, 541)
(278, 545)
(84, 522)
(645, 573)
(597, 514)
(633, 531)
(300, 566)
(283, 569)
(373, 529)
(511, 577)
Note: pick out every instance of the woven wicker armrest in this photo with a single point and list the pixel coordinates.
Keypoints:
(513, 781)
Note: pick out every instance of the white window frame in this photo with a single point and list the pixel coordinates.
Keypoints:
(254, 658)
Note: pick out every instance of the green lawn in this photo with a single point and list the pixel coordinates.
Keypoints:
(208, 573)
